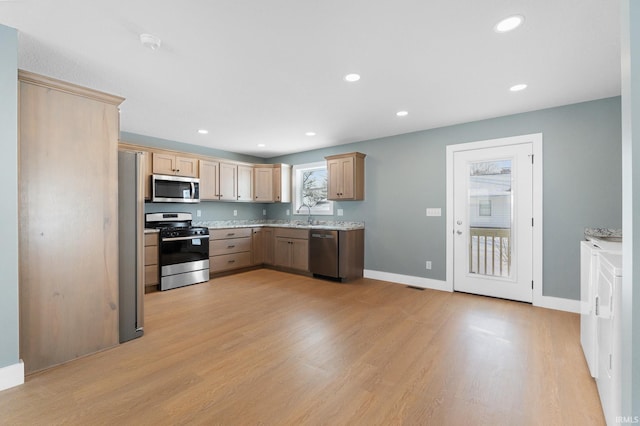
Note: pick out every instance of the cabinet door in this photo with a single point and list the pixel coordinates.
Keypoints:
(164, 164)
(245, 183)
(209, 183)
(257, 247)
(269, 246)
(346, 178)
(300, 255)
(334, 176)
(276, 179)
(263, 188)
(186, 166)
(228, 181)
(282, 255)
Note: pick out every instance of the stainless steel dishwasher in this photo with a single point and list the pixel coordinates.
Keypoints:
(323, 253)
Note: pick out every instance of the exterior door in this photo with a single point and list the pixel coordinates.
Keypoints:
(493, 225)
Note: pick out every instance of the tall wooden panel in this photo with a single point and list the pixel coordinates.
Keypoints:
(68, 221)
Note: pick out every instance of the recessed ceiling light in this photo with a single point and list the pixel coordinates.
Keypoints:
(402, 113)
(352, 77)
(518, 87)
(150, 41)
(203, 131)
(310, 133)
(261, 145)
(508, 24)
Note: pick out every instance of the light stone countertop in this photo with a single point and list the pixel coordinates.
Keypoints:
(299, 224)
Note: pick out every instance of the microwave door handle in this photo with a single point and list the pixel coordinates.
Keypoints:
(193, 190)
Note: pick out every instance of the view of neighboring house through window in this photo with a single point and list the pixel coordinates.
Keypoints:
(484, 207)
(310, 189)
(490, 208)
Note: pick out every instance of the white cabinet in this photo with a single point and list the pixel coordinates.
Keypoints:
(588, 321)
(608, 301)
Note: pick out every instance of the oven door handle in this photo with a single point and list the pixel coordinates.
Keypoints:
(192, 237)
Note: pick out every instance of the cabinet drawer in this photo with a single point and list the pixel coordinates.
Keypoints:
(220, 234)
(228, 246)
(150, 255)
(151, 239)
(227, 262)
(302, 234)
(151, 275)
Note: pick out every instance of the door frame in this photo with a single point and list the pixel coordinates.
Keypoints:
(536, 140)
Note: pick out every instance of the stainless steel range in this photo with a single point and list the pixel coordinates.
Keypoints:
(184, 249)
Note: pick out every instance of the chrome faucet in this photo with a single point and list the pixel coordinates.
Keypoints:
(309, 217)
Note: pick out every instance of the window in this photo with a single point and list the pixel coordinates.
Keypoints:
(310, 189)
(485, 208)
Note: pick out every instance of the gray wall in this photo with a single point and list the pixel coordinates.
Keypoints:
(630, 339)
(151, 141)
(9, 347)
(405, 174)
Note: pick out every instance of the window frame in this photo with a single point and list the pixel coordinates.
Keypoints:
(296, 187)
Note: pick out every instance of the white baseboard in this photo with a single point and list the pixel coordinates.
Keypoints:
(548, 302)
(11, 375)
(558, 303)
(407, 280)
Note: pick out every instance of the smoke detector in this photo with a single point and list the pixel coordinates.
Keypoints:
(150, 41)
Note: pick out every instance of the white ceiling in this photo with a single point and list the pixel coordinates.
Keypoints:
(267, 71)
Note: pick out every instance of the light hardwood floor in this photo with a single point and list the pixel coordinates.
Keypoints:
(265, 347)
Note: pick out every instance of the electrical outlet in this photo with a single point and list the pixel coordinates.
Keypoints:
(340, 212)
(198, 213)
(264, 212)
(235, 212)
(288, 212)
(428, 264)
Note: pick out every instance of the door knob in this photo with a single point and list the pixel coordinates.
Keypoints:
(459, 232)
(459, 222)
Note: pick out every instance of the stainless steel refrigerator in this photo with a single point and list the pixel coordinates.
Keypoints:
(131, 244)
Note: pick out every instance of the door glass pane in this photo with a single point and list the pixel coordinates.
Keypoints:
(490, 202)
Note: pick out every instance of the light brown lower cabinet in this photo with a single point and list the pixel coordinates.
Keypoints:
(292, 248)
(229, 249)
(268, 240)
(151, 263)
(257, 246)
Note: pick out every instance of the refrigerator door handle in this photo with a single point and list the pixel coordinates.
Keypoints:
(140, 243)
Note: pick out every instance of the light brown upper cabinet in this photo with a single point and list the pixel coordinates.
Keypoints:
(346, 176)
(236, 182)
(209, 180)
(263, 184)
(282, 183)
(272, 183)
(228, 181)
(245, 183)
(168, 164)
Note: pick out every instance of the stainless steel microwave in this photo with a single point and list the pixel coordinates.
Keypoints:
(175, 189)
